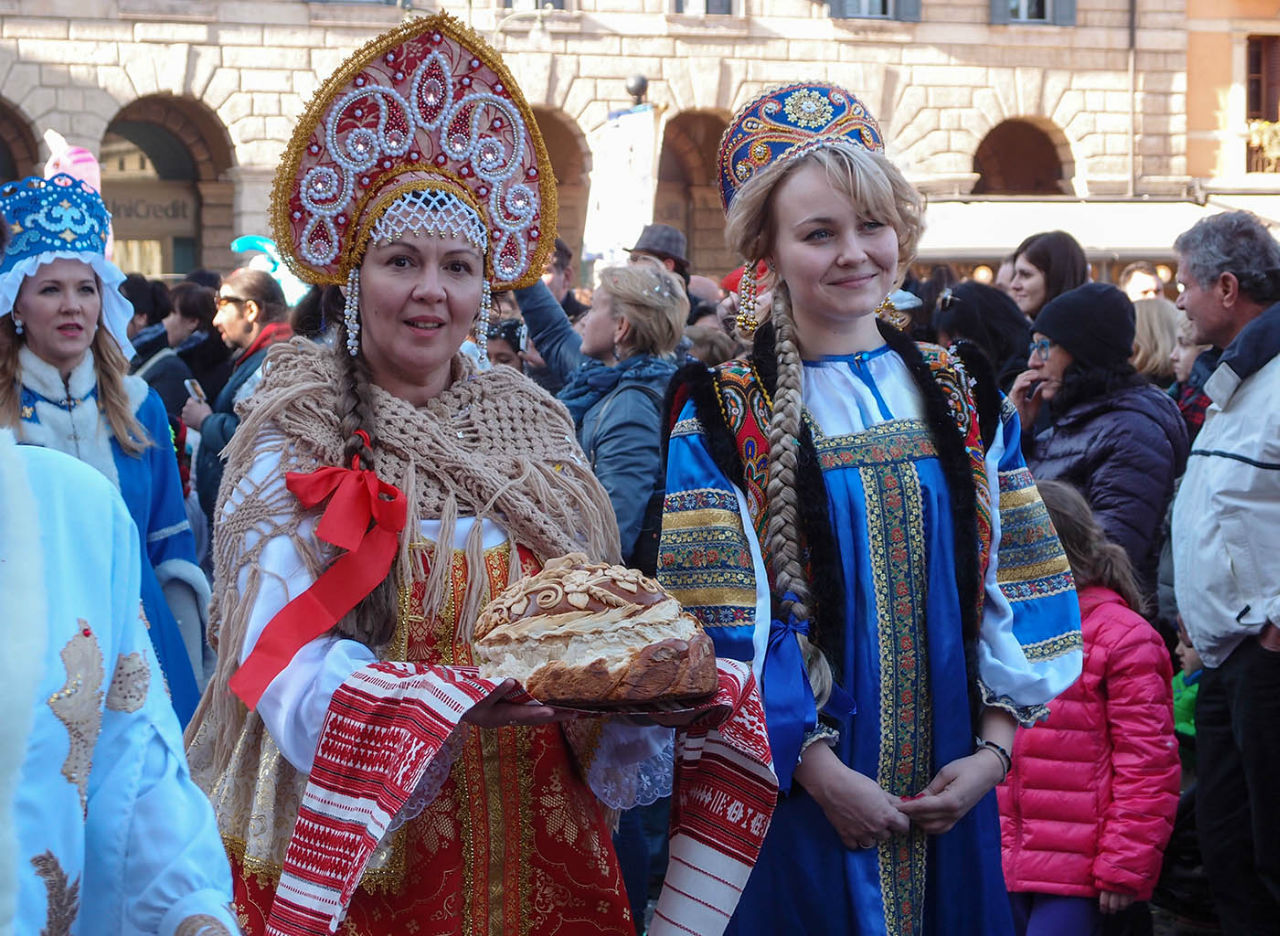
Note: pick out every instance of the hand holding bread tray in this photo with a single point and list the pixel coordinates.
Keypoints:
(598, 639)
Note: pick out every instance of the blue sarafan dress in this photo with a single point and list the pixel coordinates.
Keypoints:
(66, 416)
(902, 658)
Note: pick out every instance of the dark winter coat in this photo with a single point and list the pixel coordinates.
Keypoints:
(620, 430)
(1123, 451)
(167, 374)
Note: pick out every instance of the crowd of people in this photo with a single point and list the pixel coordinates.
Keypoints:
(1000, 558)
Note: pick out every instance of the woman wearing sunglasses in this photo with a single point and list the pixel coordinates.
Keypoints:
(1111, 433)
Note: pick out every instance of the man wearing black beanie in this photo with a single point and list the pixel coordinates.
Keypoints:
(1111, 434)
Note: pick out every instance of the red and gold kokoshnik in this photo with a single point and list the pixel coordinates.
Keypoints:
(428, 105)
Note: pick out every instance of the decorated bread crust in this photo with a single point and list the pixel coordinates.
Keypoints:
(582, 633)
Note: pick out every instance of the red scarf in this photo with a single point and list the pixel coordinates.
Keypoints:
(270, 334)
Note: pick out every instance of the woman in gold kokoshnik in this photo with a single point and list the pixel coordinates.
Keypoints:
(418, 181)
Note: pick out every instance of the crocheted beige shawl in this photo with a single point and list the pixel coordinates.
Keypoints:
(492, 446)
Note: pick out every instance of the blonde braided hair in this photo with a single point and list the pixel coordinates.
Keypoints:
(873, 183)
(783, 523)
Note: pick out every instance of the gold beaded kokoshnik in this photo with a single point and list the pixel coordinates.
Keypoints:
(427, 108)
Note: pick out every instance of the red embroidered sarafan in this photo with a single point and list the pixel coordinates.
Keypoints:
(514, 843)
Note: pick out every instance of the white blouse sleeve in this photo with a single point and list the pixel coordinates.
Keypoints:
(294, 705)
(1029, 646)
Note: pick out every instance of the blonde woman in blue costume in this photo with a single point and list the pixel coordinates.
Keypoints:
(63, 355)
(850, 511)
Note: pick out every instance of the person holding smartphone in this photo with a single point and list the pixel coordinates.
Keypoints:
(1113, 435)
(251, 317)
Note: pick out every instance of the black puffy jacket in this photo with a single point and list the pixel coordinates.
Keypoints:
(1123, 451)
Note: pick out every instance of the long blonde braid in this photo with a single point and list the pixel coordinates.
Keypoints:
(783, 524)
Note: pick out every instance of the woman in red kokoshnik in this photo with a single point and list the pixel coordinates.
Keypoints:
(378, 492)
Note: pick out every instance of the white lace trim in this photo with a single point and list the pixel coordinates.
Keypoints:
(432, 780)
(619, 781)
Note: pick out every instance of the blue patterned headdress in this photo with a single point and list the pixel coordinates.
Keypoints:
(57, 214)
(788, 121)
(60, 218)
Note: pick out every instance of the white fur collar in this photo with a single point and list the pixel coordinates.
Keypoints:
(22, 665)
(42, 377)
(81, 431)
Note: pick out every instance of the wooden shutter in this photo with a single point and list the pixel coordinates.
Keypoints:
(1064, 12)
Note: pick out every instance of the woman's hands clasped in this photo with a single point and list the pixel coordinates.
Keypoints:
(494, 711)
(864, 814)
(860, 811)
(954, 791)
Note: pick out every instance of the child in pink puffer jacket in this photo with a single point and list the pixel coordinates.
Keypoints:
(1088, 807)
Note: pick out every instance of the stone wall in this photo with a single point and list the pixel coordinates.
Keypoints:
(241, 72)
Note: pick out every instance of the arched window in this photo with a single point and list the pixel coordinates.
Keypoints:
(571, 162)
(164, 163)
(1019, 158)
(688, 195)
(18, 152)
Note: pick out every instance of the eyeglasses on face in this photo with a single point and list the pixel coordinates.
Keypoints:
(1040, 348)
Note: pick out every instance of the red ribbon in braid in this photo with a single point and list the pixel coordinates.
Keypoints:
(365, 516)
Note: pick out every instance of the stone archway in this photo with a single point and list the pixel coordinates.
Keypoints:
(571, 162)
(165, 161)
(19, 152)
(688, 195)
(1023, 156)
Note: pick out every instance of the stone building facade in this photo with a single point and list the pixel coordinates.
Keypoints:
(190, 102)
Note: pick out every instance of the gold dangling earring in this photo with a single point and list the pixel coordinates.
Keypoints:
(886, 311)
(746, 320)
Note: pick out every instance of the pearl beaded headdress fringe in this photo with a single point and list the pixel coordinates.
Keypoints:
(429, 212)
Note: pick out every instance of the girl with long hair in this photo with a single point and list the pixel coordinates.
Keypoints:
(1045, 266)
(841, 512)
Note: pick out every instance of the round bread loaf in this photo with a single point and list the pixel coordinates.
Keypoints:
(582, 633)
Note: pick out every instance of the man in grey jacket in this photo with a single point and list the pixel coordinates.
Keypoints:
(1226, 554)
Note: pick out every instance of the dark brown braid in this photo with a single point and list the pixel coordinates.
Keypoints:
(374, 618)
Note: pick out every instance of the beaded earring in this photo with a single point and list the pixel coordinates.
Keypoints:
(351, 312)
(17, 325)
(746, 320)
(888, 312)
(482, 324)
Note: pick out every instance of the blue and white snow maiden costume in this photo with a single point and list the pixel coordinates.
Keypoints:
(62, 217)
(939, 585)
(102, 830)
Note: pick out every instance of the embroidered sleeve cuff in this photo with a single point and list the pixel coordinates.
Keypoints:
(824, 733)
(1025, 715)
(204, 913)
